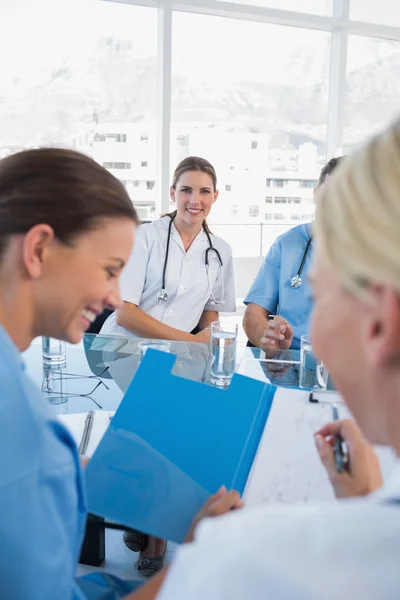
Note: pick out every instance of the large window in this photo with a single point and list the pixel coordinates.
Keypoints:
(385, 12)
(267, 90)
(319, 7)
(373, 87)
(82, 75)
(256, 109)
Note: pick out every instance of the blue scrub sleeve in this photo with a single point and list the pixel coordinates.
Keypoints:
(102, 586)
(265, 289)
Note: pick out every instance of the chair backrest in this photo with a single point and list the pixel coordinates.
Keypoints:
(99, 321)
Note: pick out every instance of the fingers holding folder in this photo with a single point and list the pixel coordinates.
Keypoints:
(219, 504)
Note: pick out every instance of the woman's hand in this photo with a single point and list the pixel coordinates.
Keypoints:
(364, 474)
(277, 336)
(218, 504)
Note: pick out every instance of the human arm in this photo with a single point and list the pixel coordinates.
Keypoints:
(255, 323)
(262, 299)
(136, 320)
(364, 474)
(207, 317)
(220, 503)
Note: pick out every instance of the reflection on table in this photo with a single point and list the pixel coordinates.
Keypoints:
(99, 370)
(282, 368)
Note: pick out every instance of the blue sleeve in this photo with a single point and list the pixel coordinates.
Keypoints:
(265, 289)
(42, 502)
(102, 586)
(41, 508)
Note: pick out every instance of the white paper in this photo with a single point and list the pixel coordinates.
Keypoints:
(287, 468)
(75, 423)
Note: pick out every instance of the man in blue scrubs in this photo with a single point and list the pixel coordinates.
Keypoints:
(272, 292)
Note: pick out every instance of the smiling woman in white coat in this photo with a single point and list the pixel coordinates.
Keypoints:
(177, 280)
(180, 275)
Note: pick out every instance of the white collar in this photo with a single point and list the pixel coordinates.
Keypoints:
(163, 222)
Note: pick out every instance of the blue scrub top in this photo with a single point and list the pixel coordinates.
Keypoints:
(42, 500)
(272, 289)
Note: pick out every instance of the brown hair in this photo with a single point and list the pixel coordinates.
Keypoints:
(194, 163)
(63, 188)
(329, 168)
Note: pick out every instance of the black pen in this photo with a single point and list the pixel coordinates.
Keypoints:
(341, 458)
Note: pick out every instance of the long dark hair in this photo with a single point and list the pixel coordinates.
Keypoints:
(63, 188)
(193, 163)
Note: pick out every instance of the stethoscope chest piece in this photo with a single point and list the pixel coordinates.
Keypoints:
(296, 281)
(162, 296)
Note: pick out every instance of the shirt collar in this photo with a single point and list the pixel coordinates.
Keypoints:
(200, 239)
(9, 349)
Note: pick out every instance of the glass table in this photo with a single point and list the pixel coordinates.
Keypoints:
(282, 369)
(99, 370)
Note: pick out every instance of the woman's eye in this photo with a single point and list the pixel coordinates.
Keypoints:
(111, 273)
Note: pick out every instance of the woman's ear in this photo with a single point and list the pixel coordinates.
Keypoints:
(383, 331)
(35, 248)
(172, 193)
(216, 194)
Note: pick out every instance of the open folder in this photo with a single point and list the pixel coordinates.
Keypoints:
(171, 444)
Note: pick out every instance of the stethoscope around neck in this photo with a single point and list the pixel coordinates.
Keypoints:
(162, 294)
(297, 280)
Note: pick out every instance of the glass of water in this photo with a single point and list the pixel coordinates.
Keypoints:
(223, 352)
(54, 387)
(162, 345)
(54, 352)
(313, 372)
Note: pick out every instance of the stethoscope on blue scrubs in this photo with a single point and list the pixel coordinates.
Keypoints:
(297, 280)
(162, 294)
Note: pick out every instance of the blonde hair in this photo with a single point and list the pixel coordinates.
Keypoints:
(357, 222)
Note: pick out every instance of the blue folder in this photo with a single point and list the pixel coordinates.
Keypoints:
(171, 444)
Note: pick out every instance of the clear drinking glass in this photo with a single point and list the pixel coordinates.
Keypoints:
(161, 345)
(313, 372)
(223, 352)
(54, 386)
(54, 352)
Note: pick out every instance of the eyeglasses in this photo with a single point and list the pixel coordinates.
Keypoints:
(51, 377)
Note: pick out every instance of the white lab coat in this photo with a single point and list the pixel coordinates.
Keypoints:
(348, 550)
(186, 278)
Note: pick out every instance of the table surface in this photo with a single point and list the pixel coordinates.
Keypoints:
(99, 370)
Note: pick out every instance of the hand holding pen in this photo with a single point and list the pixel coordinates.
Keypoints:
(350, 461)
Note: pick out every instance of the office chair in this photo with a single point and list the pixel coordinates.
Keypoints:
(98, 323)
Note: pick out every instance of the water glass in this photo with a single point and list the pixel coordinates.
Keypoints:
(161, 345)
(223, 352)
(313, 372)
(54, 352)
(54, 386)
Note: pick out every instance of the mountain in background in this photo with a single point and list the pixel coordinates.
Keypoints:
(111, 85)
